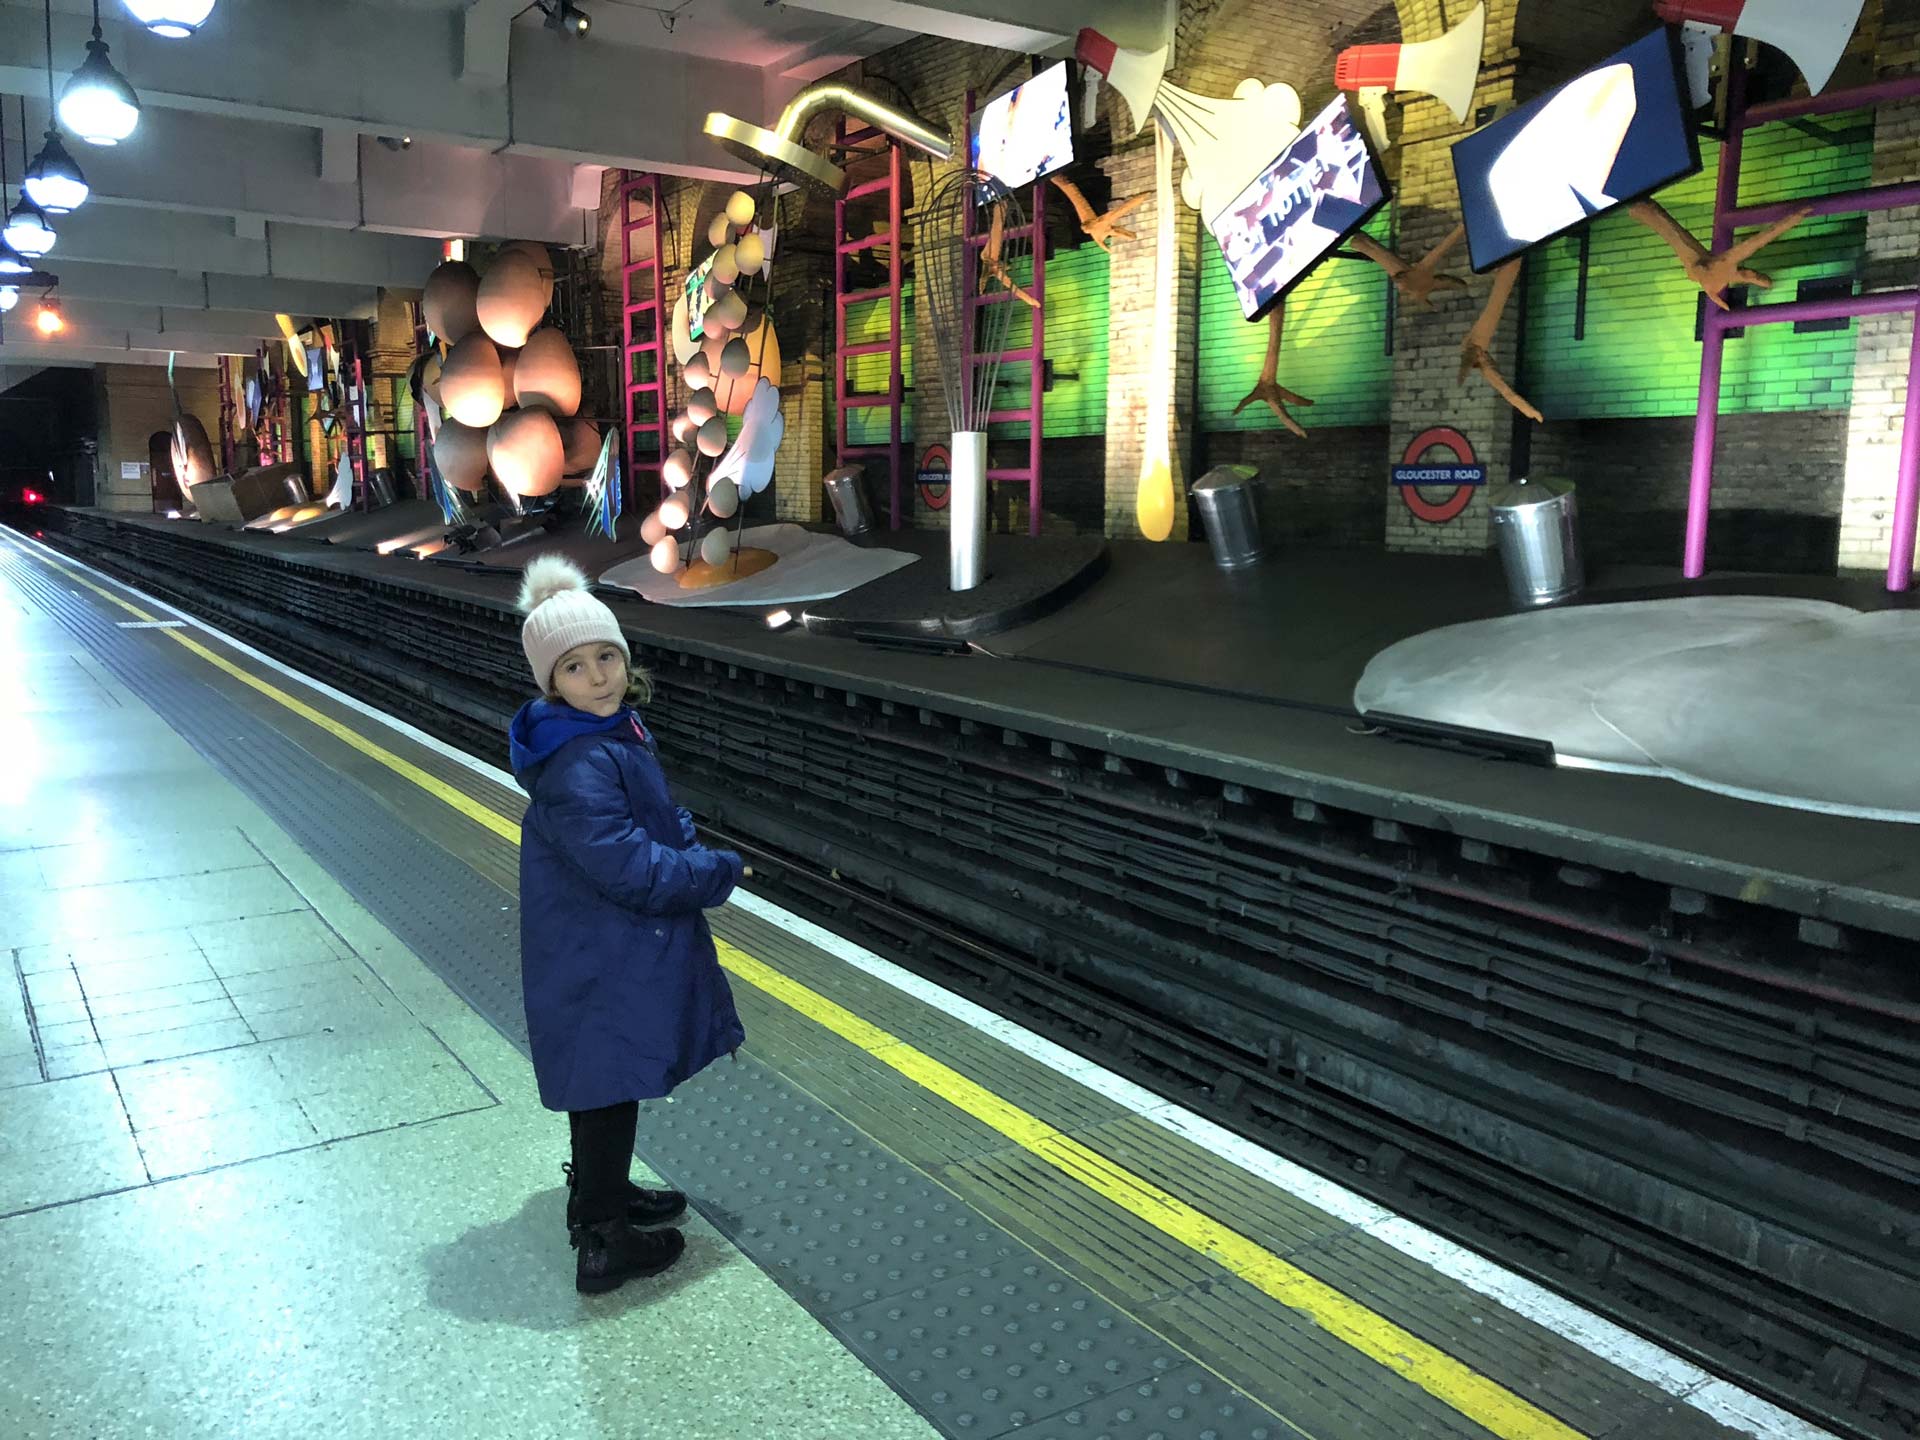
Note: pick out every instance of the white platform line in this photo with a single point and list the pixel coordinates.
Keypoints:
(1672, 1374)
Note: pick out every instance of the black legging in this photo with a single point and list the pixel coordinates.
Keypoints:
(602, 1152)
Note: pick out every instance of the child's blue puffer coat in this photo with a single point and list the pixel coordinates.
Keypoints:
(625, 996)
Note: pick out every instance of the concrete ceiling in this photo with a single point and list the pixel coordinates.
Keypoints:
(259, 179)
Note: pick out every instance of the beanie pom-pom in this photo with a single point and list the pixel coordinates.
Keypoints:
(546, 577)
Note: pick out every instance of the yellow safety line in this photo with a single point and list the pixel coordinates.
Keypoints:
(1454, 1383)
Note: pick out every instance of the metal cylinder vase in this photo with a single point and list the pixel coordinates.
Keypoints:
(1536, 526)
(967, 510)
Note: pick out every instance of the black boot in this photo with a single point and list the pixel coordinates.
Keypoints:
(644, 1206)
(612, 1252)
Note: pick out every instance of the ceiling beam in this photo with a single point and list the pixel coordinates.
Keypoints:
(197, 290)
(1010, 24)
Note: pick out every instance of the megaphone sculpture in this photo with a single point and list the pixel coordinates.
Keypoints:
(1227, 143)
(1447, 69)
(1814, 36)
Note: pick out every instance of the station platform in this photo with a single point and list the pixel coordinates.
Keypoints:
(275, 1163)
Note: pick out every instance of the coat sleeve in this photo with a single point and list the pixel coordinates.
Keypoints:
(589, 820)
(688, 834)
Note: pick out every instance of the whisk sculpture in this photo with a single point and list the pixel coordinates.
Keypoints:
(964, 272)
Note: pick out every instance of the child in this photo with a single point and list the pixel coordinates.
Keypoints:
(624, 993)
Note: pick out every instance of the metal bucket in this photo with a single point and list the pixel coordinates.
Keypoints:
(851, 511)
(1536, 525)
(1228, 510)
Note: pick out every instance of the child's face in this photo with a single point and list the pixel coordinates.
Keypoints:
(592, 677)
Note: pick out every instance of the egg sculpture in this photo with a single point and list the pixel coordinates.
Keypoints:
(582, 441)
(699, 370)
(726, 269)
(713, 437)
(451, 299)
(723, 497)
(673, 512)
(548, 377)
(740, 209)
(472, 389)
(719, 231)
(728, 313)
(512, 299)
(542, 259)
(677, 468)
(430, 376)
(735, 357)
(652, 532)
(461, 453)
(701, 406)
(525, 452)
(731, 392)
(750, 252)
(715, 546)
(684, 429)
(308, 512)
(509, 362)
(666, 555)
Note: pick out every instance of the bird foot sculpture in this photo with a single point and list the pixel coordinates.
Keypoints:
(991, 260)
(1099, 228)
(1268, 387)
(1417, 282)
(1715, 271)
(1476, 352)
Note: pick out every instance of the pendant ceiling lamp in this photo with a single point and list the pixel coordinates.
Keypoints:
(97, 104)
(53, 181)
(12, 262)
(175, 19)
(27, 228)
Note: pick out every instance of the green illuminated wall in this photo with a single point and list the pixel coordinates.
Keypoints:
(1639, 357)
(1076, 301)
(1334, 351)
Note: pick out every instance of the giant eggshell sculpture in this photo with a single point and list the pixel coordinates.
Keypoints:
(666, 555)
(719, 232)
(548, 376)
(461, 453)
(732, 392)
(713, 437)
(740, 208)
(750, 252)
(701, 406)
(542, 259)
(677, 468)
(512, 299)
(192, 452)
(729, 312)
(723, 497)
(699, 370)
(525, 452)
(673, 512)
(450, 301)
(652, 531)
(582, 441)
(715, 546)
(472, 389)
(430, 376)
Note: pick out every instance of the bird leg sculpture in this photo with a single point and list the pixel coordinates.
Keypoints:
(1416, 282)
(1713, 273)
(1098, 227)
(1268, 387)
(994, 265)
(1475, 350)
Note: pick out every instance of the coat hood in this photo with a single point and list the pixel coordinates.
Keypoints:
(543, 726)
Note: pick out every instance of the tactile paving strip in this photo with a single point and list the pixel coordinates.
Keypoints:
(978, 1333)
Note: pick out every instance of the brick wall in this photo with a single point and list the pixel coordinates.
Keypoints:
(1884, 343)
(1776, 498)
(131, 402)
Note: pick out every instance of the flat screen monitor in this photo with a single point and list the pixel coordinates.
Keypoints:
(1609, 136)
(1028, 132)
(1319, 190)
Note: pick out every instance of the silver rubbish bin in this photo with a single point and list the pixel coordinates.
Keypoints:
(1228, 510)
(1536, 525)
(848, 494)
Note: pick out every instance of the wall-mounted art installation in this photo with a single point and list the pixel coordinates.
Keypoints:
(547, 376)
(460, 452)
(512, 298)
(525, 452)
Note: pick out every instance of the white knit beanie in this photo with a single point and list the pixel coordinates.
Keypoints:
(560, 615)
